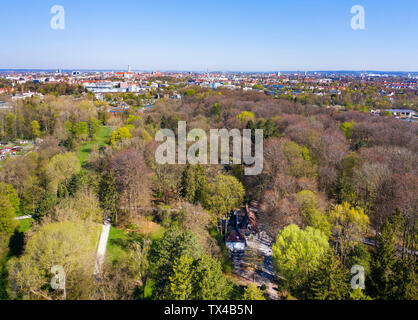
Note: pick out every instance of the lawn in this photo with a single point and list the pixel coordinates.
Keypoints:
(99, 140)
(25, 224)
(120, 240)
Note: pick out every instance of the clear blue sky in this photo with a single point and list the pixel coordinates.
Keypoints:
(218, 34)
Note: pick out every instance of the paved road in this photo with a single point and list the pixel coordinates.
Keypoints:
(101, 249)
(23, 217)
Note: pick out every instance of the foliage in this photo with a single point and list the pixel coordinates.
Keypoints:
(69, 244)
(298, 252)
(251, 292)
(8, 224)
(330, 281)
(193, 183)
(224, 193)
(349, 226)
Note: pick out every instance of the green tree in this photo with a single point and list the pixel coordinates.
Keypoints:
(297, 253)
(349, 227)
(246, 116)
(217, 110)
(60, 169)
(8, 224)
(384, 259)
(36, 132)
(69, 244)
(93, 127)
(312, 216)
(347, 128)
(174, 244)
(224, 193)
(359, 255)
(181, 280)
(358, 294)
(8, 191)
(251, 292)
(330, 281)
(193, 182)
(119, 135)
(109, 196)
(10, 126)
(209, 283)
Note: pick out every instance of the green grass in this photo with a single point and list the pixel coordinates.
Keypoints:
(25, 224)
(99, 140)
(117, 243)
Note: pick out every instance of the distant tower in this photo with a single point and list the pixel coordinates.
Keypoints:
(129, 68)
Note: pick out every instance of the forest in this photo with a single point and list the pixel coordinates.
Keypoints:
(338, 189)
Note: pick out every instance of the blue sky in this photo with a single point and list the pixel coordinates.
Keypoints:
(262, 35)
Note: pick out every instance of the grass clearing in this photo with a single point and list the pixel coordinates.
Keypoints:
(25, 224)
(120, 240)
(99, 140)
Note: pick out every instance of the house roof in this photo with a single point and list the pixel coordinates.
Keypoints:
(235, 236)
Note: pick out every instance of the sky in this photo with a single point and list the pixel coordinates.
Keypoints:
(217, 35)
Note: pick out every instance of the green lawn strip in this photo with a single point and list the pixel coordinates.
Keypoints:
(99, 140)
(117, 243)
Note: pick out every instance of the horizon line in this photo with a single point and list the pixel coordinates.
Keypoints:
(206, 71)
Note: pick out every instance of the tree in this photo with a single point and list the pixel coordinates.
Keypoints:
(69, 244)
(392, 278)
(349, 226)
(10, 126)
(46, 205)
(84, 206)
(8, 224)
(60, 169)
(174, 244)
(120, 135)
(93, 127)
(193, 182)
(246, 116)
(330, 281)
(251, 292)
(347, 128)
(209, 283)
(224, 193)
(141, 257)
(131, 178)
(181, 280)
(358, 294)
(8, 191)
(297, 253)
(359, 255)
(108, 195)
(313, 217)
(384, 260)
(404, 281)
(36, 132)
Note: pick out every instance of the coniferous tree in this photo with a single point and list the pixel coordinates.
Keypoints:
(383, 262)
(330, 281)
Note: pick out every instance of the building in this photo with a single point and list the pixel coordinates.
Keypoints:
(235, 241)
(403, 113)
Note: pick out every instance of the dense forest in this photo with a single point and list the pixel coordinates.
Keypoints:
(338, 189)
